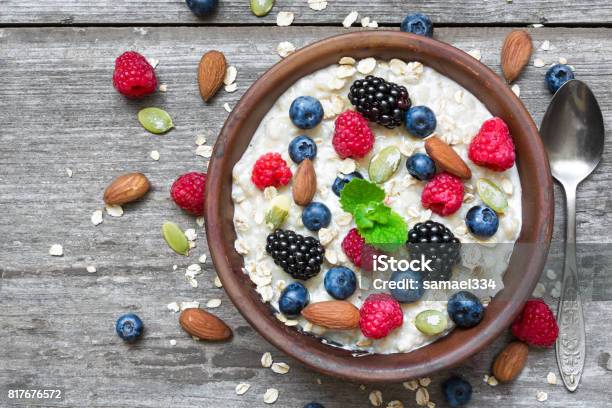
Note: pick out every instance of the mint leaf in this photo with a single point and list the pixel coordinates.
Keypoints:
(387, 236)
(359, 191)
(361, 216)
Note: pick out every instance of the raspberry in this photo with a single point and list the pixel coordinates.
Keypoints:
(379, 315)
(443, 194)
(536, 325)
(134, 77)
(358, 251)
(270, 170)
(188, 192)
(352, 136)
(492, 147)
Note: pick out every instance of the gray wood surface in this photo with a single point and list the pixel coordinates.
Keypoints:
(59, 110)
(235, 12)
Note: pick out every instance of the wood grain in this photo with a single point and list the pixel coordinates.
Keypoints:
(237, 12)
(56, 324)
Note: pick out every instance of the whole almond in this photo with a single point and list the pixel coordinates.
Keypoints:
(304, 183)
(447, 158)
(510, 362)
(204, 325)
(332, 314)
(211, 72)
(126, 188)
(515, 54)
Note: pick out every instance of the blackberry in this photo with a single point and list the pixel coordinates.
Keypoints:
(435, 242)
(299, 256)
(380, 101)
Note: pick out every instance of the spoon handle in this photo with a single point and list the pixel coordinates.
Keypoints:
(571, 344)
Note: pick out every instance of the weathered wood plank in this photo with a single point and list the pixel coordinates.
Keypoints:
(236, 12)
(56, 325)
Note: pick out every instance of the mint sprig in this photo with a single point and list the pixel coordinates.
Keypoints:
(378, 224)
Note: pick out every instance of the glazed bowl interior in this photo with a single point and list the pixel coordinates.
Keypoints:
(525, 265)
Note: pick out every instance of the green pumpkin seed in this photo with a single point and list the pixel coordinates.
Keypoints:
(175, 238)
(155, 120)
(261, 7)
(278, 212)
(492, 195)
(384, 164)
(431, 322)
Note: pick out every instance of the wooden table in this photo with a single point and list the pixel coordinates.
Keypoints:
(60, 111)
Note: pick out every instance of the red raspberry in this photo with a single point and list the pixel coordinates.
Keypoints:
(134, 77)
(358, 251)
(188, 192)
(352, 136)
(492, 147)
(379, 315)
(443, 194)
(270, 170)
(536, 325)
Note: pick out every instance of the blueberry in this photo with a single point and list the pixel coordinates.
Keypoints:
(316, 216)
(202, 8)
(313, 405)
(457, 391)
(412, 286)
(129, 327)
(306, 112)
(302, 147)
(340, 282)
(557, 75)
(465, 309)
(420, 121)
(293, 299)
(342, 180)
(417, 23)
(420, 166)
(482, 221)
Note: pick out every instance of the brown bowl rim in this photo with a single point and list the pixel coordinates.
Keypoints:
(527, 260)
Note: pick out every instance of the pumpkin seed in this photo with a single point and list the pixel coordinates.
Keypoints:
(155, 120)
(261, 7)
(492, 195)
(175, 238)
(431, 322)
(278, 211)
(384, 164)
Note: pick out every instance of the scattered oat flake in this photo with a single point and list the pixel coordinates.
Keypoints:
(154, 62)
(114, 210)
(545, 46)
(284, 18)
(376, 398)
(562, 60)
(217, 282)
(541, 396)
(56, 250)
(431, 404)
(280, 368)
(204, 151)
(317, 5)
(373, 24)
(395, 404)
(350, 19)
(202, 258)
(422, 396)
(230, 75)
(91, 269)
(173, 307)
(425, 381)
(551, 274)
(285, 48)
(411, 385)
(96, 217)
(231, 88)
(242, 388)
(200, 140)
(538, 63)
(193, 304)
(163, 88)
(347, 61)
(200, 221)
(365, 21)
(345, 71)
(69, 172)
(270, 396)
(492, 381)
(367, 65)
(551, 378)
(173, 342)
(154, 155)
(227, 107)
(213, 303)
(539, 290)
(191, 234)
(266, 360)
(475, 54)
(516, 89)
(537, 25)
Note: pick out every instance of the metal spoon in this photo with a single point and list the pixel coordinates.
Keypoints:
(573, 134)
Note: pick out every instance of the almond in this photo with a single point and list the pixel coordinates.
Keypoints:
(204, 325)
(515, 54)
(332, 314)
(446, 157)
(211, 72)
(126, 188)
(510, 362)
(304, 183)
